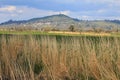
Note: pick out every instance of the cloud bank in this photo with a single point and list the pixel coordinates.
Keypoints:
(82, 9)
(24, 13)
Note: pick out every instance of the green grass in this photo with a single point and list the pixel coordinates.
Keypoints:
(36, 33)
(47, 33)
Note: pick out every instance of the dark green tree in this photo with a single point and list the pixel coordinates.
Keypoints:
(72, 28)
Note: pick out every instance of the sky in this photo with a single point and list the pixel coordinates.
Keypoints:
(81, 9)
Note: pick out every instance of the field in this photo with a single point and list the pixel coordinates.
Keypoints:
(53, 56)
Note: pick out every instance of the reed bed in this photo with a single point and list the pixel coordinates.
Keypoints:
(59, 58)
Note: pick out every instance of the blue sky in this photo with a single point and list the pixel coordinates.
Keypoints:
(81, 9)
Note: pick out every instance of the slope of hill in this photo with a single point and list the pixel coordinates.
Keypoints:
(54, 18)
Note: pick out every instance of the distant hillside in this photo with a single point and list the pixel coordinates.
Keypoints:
(113, 21)
(53, 18)
(13, 22)
(62, 22)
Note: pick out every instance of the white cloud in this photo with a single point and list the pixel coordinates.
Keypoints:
(61, 12)
(101, 10)
(8, 8)
(24, 12)
(34, 12)
(20, 11)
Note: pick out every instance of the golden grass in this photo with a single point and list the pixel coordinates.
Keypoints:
(81, 33)
(63, 58)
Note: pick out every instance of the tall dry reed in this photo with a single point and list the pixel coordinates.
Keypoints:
(59, 58)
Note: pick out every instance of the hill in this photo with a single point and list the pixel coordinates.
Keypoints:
(62, 22)
(54, 18)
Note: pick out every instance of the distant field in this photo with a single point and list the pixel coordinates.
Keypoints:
(81, 33)
(62, 33)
